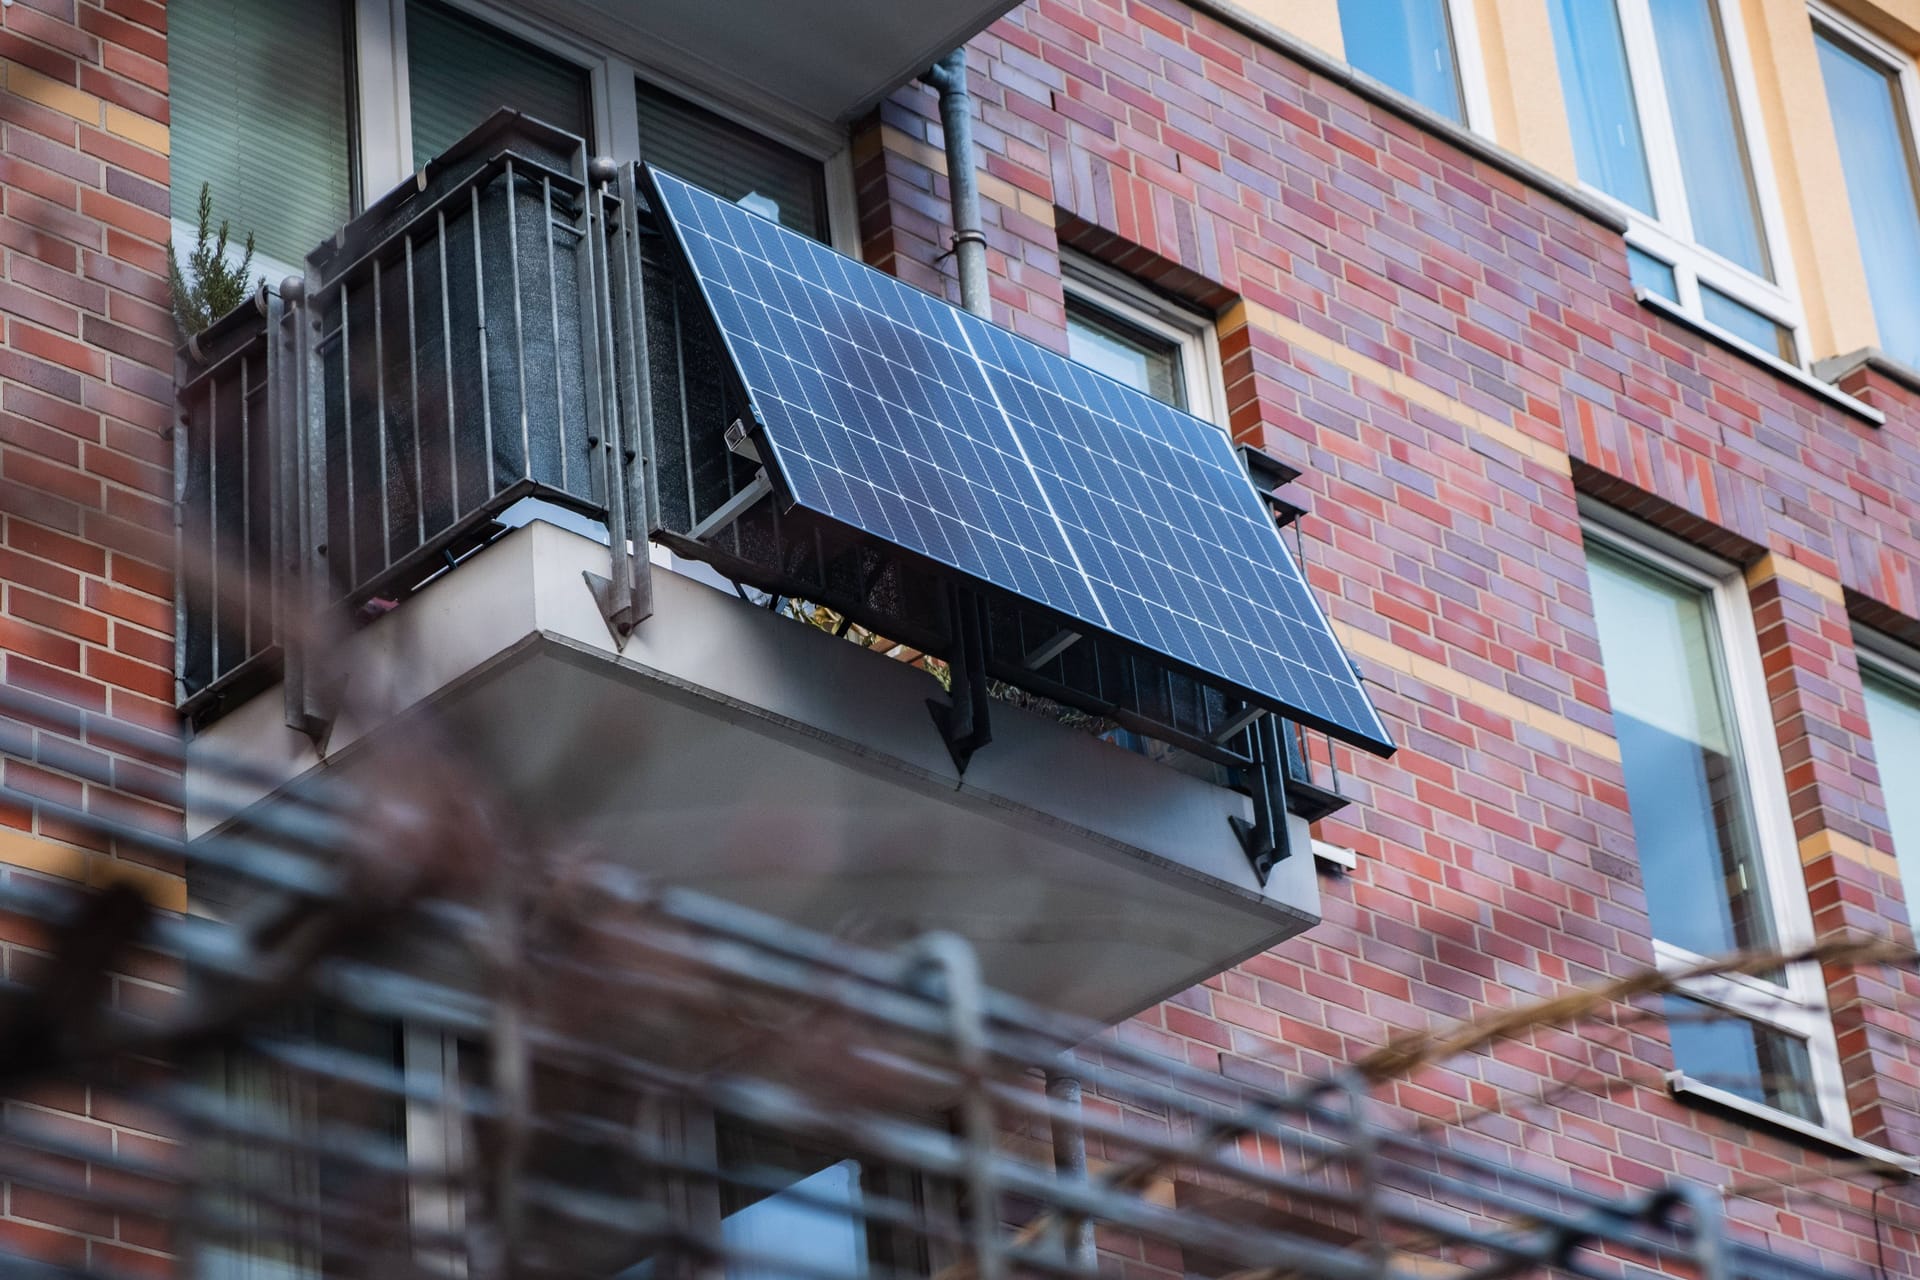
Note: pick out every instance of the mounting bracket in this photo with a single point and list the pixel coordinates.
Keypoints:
(963, 718)
(1264, 839)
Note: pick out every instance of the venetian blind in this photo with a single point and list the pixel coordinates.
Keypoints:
(460, 71)
(260, 94)
(730, 161)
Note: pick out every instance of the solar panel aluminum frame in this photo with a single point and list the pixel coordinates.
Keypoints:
(1232, 699)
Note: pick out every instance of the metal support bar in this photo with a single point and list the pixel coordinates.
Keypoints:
(1236, 722)
(299, 400)
(613, 398)
(963, 718)
(1053, 648)
(733, 508)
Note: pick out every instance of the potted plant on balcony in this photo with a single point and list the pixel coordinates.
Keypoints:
(211, 284)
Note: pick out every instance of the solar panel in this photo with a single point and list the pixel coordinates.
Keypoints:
(890, 411)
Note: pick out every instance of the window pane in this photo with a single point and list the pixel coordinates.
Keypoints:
(1744, 322)
(1408, 45)
(1607, 147)
(1649, 273)
(460, 71)
(1686, 789)
(1870, 121)
(1142, 360)
(711, 152)
(1893, 717)
(1706, 128)
(260, 113)
(1755, 1061)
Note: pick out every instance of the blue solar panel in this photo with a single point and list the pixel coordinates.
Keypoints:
(888, 410)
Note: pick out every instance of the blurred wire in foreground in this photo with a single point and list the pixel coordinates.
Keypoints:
(412, 1039)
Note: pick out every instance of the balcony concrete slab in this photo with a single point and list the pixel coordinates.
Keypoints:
(743, 754)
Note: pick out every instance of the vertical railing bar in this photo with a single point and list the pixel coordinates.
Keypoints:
(519, 334)
(182, 459)
(383, 498)
(413, 390)
(480, 297)
(446, 371)
(311, 560)
(212, 548)
(593, 399)
(346, 439)
(246, 509)
(686, 415)
(637, 413)
(283, 383)
(553, 311)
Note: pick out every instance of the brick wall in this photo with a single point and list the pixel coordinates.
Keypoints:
(1454, 356)
(86, 612)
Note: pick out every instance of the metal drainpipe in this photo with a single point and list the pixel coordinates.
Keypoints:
(949, 76)
(1070, 1162)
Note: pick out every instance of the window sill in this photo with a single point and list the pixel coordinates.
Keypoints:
(1881, 1160)
(1332, 855)
(1766, 360)
(1834, 368)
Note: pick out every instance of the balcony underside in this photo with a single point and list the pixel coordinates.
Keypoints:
(766, 762)
(826, 60)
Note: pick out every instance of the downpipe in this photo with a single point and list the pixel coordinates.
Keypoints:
(949, 77)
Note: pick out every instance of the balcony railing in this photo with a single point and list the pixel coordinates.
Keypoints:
(508, 327)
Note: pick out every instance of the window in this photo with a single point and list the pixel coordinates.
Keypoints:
(729, 161)
(460, 71)
(1893, 718)
(297, 112)
(1139, 338)
(1708, 803)
(1663, 124)
(262, 108)
(1871, 94)
(1409, 45)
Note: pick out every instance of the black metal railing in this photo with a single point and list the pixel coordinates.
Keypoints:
(509, 326)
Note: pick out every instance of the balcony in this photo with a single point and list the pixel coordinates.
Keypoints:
(480, 477)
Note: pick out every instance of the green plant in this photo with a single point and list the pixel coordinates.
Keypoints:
(211, 285)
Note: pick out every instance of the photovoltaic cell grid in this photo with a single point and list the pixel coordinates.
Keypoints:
(889, 410)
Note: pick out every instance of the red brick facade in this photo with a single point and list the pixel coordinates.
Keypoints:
(86, 507)
(1454, 356)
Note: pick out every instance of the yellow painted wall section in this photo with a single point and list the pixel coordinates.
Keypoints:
(1812, 185)
(1315, 21)
(1523, 83)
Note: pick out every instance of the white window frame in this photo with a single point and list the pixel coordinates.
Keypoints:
(1469, 66)
(383, 116)
(1896, 664)
(1799, 1006)
(1668, 234)
(1192, 335)
(1869, 47)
